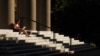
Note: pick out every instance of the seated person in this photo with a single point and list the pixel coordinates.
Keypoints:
(17, 28)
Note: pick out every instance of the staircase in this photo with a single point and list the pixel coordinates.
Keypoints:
(41, 43)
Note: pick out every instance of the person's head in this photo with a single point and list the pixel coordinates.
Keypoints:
(17, 21)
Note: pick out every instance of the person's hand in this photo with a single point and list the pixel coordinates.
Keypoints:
(24, 27)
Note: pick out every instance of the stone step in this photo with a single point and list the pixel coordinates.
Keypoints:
(19, 47)
(56, 54)
(83, 49)
(23, 51)
(44, 32)
(36, 53)
(81, 46)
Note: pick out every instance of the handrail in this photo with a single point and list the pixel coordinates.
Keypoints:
(41, 24)
(37, 22)
(46, 27)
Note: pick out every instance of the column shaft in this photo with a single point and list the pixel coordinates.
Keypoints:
(11, 11)
(33, 14)
(48, 16)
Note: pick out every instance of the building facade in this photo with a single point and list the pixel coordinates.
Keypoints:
(34, 14)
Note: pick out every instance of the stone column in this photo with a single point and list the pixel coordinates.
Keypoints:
(48, 12)
(33, 14)
(11, 11)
